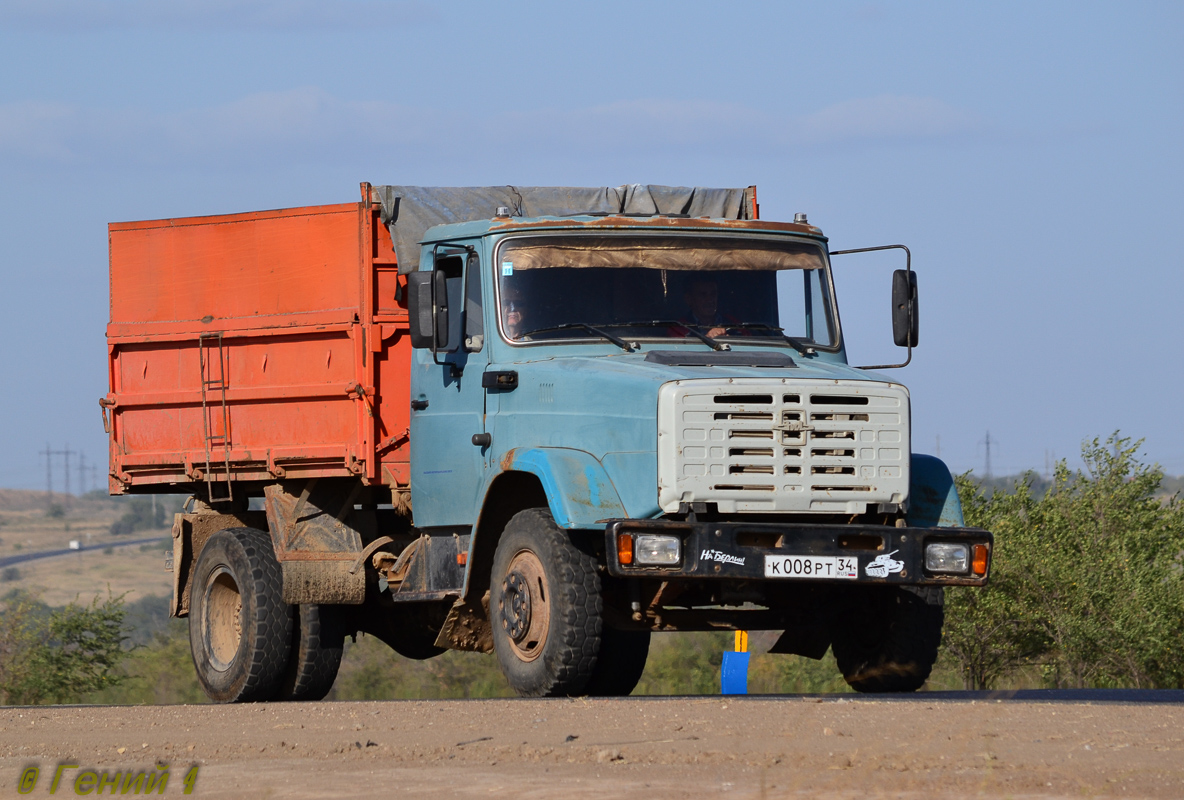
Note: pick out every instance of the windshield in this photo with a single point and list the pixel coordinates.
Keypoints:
(663, 287)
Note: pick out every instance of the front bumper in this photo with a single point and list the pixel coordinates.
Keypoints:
(865, 554)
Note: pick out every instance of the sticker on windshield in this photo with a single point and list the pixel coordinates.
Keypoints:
(507, 268)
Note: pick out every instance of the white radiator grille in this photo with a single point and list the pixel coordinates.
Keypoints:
(759, 445)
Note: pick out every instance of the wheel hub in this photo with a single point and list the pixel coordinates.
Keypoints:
(516, 615)
(222, 627)
(524, 606)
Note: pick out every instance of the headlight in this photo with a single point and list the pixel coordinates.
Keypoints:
(947, 557)
(652, 549)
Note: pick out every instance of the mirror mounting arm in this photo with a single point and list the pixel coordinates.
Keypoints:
(912, 284)
(455, 370)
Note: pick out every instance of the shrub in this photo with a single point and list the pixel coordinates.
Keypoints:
(1087, 581)
(59, 655)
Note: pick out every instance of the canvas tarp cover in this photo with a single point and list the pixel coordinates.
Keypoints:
(408, 211)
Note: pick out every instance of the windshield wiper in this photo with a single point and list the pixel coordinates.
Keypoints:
(672, 323)
(803, 346)
(617, 340)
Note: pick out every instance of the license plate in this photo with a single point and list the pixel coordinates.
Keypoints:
(816, 567)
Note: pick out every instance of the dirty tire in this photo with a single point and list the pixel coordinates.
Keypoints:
(240, 629)
(318, 639)
(886, 639)
(621, 661)
(545, 607)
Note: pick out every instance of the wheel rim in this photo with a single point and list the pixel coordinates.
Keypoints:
(524, 608)
(223, 629)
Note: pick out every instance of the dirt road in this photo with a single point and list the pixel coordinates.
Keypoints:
(924, 746)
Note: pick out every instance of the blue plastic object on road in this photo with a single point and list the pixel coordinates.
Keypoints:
(733, 674)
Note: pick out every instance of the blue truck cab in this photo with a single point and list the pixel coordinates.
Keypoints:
(628, 422)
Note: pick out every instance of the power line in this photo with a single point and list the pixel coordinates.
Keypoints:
(66, 453)
(86, 479)
(48, 476)
(987, 442)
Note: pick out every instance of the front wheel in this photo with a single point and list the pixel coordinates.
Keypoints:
(240, 629)
(545, 607)
(886, 640)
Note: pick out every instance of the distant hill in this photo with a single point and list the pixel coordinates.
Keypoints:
(31, 500)
(21, 500)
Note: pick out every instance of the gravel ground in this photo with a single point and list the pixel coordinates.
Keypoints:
(736, 747)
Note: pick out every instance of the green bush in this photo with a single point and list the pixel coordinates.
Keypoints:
(59, 655)
(1087, 584)
(159, 673)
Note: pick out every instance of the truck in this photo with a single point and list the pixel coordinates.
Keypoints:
(537, 422)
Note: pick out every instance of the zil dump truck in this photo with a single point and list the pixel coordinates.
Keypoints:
(536, 422)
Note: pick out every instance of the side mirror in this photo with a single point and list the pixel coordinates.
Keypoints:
(427, 309)
(419, 309)
(904, 308)
(440, 309)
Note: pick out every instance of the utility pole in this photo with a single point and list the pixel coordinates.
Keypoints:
(987, 443)
(48, 477)
(66, 453)
(81, 472)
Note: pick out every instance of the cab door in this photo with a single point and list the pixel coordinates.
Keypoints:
(448, 401)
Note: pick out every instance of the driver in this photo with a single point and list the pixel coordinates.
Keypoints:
(702, 299)
(514, 316)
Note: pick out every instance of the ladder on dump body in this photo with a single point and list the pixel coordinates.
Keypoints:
(210, 384)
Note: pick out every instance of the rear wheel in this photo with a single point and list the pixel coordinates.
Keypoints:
(886, 639)
(545, 607)
(621, 661)
(318, 642)
(240, 629)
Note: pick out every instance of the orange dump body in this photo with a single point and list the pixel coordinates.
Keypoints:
(253, 347)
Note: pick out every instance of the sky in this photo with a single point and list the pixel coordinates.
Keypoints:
(1031, 155)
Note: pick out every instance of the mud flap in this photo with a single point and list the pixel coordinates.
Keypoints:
(322, 582)
(467, 627)
(318, 535)
(190, 532)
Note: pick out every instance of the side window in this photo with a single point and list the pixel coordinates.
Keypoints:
(474, 324)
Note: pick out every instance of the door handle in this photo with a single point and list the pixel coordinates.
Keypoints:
(482, 439)
(502, 381)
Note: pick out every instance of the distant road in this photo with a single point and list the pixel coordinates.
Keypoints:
(10, 560)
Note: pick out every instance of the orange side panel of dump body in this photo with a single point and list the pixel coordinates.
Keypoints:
(253, 347)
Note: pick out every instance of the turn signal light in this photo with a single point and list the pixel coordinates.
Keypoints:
(979, 564)
(624, 548)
